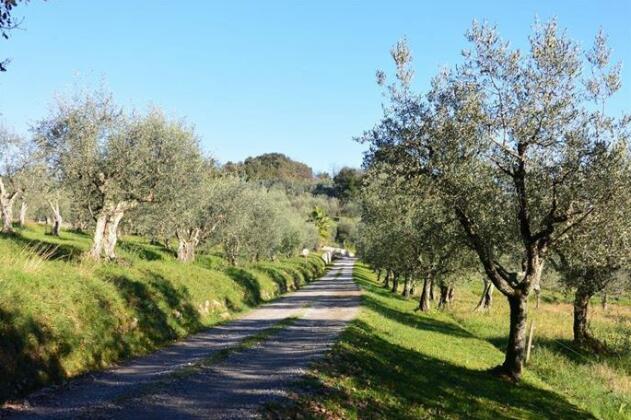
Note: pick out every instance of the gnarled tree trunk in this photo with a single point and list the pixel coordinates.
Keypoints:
(395, 283)
(106, 231)
(516, 347)
(486, 300)
(97, 239)
(446, 296)
(407, 284)
(581, 308)
(6, 207)
(111, 234)
(23, 210)
(187, 243)
(57, 219)
(423, 304)
(386, 280)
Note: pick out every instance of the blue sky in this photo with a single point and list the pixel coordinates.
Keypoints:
(295, 77)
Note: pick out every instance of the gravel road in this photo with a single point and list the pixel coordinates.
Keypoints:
(173, 383)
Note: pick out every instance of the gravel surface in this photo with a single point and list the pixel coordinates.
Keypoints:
(173, 383)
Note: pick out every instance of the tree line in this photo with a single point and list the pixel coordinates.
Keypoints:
(509, 164)
(96, 168)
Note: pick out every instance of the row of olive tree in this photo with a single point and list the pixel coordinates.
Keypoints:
(518, 149)
(411, 236)
(108, 169)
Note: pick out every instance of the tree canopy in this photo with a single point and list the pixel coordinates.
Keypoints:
(516, 145)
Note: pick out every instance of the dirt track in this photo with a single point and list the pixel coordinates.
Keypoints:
(174, 383)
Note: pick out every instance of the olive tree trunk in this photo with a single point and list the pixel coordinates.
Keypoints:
(581, 308)
(97, 239)
(187, 244)
(407, 285)
(57, 219)
(486, 300)
(6, 207)
(22, 216)
(423, 304)
(386, 280)
(395, 283)
(516, 347)
(106, 232)
(446, 296)
(111, 235)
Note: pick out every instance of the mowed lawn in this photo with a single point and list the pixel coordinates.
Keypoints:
(393, 362)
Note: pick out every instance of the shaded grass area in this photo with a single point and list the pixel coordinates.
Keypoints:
(61, 315)
(394, 363)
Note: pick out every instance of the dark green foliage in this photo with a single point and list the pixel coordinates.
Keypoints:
(275, 167)
(346, 231)
(347, 183)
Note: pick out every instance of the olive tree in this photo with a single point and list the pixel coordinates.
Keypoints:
(406, 228)
(504, 138)
(16, 162)
(185, 207)
(235, 215)
(594, 257)
(385, 230)
(257, 223)
(112, 162)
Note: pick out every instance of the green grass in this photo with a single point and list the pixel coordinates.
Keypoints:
(61, 315)
(394, 363)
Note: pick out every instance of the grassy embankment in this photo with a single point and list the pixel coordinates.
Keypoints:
(61, 315)
(394, 363)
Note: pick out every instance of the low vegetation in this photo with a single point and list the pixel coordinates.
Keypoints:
(62, 315)
(395, 363)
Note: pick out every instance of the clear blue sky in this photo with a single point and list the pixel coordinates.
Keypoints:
(295, 77)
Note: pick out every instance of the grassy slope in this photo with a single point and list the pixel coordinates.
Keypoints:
(61, 316)
(393, 362)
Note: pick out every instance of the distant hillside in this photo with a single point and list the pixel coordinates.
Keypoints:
(272, 167)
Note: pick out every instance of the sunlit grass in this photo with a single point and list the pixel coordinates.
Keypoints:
(395, 363)
(600, 383)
